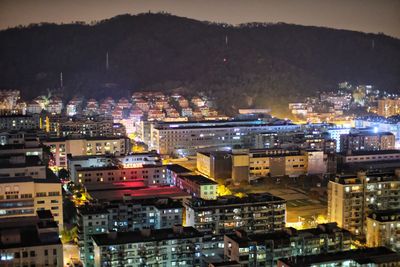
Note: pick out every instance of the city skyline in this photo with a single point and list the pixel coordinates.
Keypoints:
(164, 139)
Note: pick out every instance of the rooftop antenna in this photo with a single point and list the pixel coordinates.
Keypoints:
(61, 80)
(107, 61)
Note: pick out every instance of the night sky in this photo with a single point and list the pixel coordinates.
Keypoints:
(361, 15)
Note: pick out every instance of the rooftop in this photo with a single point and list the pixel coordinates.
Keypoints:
(176, 168)
(137, 193)
(198, 179)
(251, 199)
(215, 124)
(19, 161)
(159, 203)
(366, 153)
(284, 236)
(99, 138)
(147, 235)
(105, 168)
(385, 215)
(376, 255)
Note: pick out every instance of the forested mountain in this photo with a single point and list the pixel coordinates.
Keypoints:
(253, 63)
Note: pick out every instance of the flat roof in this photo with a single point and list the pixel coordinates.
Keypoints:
(105, 168)
(62, 139)
(361, 256)
(199, 179)
(29, 161)
(366, 153)
(138, 193)
(6, 180)
(385, 215)
(119, 238)
(176, 168)
(159, 203)
(250, 199)
(17, 146)
(216, 124)
(92, 210)
(29, 235)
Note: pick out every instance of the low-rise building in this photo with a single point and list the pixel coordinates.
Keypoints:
(215, 164)
(136, 214)
(374, 257)
(61, 147)
(361, 160)
(133, 160)
(19, 122)
(367, 140)
(177, 246)
(383, 229)
(254, 213)
(198, 186)
(388, 107)
(265, 249)
(30, 241)
(352, 197)
(252, 164)
(174, 170)
(147, 174)
(26, 185)
(90, 221)
(186, 138)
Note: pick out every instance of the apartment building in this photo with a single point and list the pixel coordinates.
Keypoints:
(177, 246)
(198, 186)
(104, 176)
(20, 142)
(61, 147)
(252, 164)
(125, 215)
(23, 196)
(174, 170)
(30, 241)
(255, 213)
(299, 140)
(19, 122)
(85, 126)
(133, 160)
(388, 107)
(381, 124)
(186, 138)
(374, 257)
(26, 186)
(264, 249)
(367, 140)
(383, 229)
(136, 214)
(352, 197)
(90, 221)
(19, 165)
(215, 164)
(361, 160)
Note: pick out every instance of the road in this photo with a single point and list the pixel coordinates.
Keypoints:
(70, 251)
